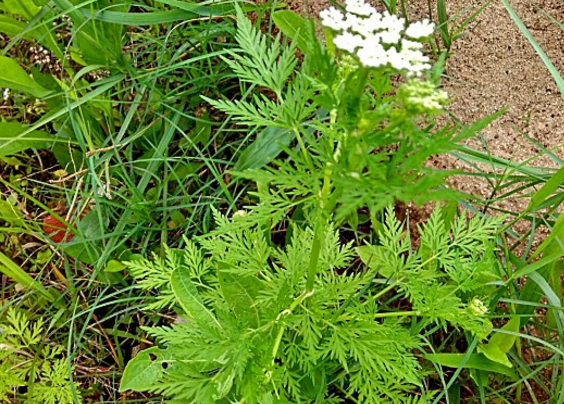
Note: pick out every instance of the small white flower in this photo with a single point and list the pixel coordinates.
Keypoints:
(392, 22)
(390, 37)
(359, 7)
(334, 19)
(411, 45)
(420, 29)
(373, 56)
(378, 39)
(6, 94)
(348, 42)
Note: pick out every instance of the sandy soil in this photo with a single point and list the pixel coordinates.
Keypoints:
(494, 66)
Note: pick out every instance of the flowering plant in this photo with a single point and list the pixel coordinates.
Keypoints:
(266, 322)
(360, 142)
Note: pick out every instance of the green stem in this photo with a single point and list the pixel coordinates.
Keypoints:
(319, 229)
(384, 291)
(280, 334)
(315, 253)
(303, 147)
(398, 314)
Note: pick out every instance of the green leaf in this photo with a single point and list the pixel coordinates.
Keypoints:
(505, 341)
(547, 189)
(10, 26)
(140, 19)
(14, 271)
(475, 361)
(12, 142)
(240, 293)
(187, 296)
(475, 127)
(25, 8)
(9, 214)
(115, 266)
(294, 26)
(535, 266)
(493, 353)
(142, 372)
(265, 148)
(85, 245)
(15, 78)
(556, 236)
(366, 254)
(443, 23)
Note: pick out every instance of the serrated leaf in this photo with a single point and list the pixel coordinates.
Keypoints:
(187, 296)
(142, 372)
(266, 147)
(15, 78)
(12, 141)
(240, 293)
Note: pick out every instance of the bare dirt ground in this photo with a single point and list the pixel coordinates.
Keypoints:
(494, 66)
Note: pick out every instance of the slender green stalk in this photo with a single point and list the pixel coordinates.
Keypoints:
(398, 314)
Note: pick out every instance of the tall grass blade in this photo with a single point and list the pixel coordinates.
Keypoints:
(553, 71)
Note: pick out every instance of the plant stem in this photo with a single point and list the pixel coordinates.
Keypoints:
(384, 291)
(397, 314)
(315, 253)
(319, 229)
(280, 334)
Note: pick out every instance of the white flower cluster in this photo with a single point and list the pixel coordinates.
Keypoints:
(6, 94)
(379, 39)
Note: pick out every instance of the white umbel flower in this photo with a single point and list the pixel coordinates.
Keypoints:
(359, 7)
(349, 42)
(420, 29)
(334, 19)
(378, 39)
